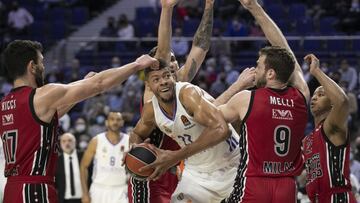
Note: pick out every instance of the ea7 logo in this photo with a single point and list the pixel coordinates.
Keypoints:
(282, 114)
(7, 119)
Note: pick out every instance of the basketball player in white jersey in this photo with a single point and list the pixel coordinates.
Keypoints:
(109, 180)
(182, 111)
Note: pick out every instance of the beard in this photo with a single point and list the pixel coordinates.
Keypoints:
(39, 78)
(261, 82)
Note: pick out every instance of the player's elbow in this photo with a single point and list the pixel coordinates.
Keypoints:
(223, 131)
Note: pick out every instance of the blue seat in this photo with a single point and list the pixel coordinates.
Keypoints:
(304, 26)
(79, 15)
(356, 46)
(145, 13)
(297, 11)
(58, 30)
(275, 11)
(336, 45)
(327, 25)
(190, 26)
(143, 27)
(312, 45)
(57, 15)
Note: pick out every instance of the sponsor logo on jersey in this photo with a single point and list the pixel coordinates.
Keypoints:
(167, 130)
(185, 120)
(7, 119)
(282, 114)
(313, 168)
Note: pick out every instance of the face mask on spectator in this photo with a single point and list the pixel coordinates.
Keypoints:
(100, 120)
(80, 128)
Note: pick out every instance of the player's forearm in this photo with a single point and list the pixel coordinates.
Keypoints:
(83, 178)
(208, 138)
(112, 77)
(231, 91)
(135, 139)
(164, 34)
(203, 34)
(336, 95)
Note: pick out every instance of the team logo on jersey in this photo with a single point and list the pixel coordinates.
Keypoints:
(282, 114)
(167, 130)
(185, 120)
(7, 119)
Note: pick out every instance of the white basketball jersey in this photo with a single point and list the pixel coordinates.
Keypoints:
(107, 162)
(184, 130)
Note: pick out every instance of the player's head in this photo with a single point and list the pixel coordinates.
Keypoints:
(173, 65)
(161, 82)
(67, 143)
(274, 63)
(114, 122)
(320, 102)
(22, 57)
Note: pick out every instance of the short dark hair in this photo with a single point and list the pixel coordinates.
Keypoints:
(280, 60)
(17, 55)
(152, 52)
(162, 65)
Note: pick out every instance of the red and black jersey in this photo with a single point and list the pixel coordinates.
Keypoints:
(30, 145)
(272, 132)
(327, 167)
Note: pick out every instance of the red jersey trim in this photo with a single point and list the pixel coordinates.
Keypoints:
(32, 109)
(249, 107)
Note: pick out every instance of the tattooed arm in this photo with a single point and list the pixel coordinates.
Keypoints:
(200, 46)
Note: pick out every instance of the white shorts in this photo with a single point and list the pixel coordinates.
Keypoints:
(197, 187)
(108, 194)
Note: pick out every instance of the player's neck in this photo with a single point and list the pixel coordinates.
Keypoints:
(113, 137)
(274, 84)
(168, 107)
(23, 81)
(318, 119)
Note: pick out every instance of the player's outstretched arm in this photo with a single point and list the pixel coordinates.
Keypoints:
(50, 97)
(276, 38)
(335, 125)
(84, 166)
(165, 30)
(200, 45)
(244, 81)
(204, 113)
(145, 125)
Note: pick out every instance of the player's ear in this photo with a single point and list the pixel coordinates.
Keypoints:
(31, 67)
(271, 74)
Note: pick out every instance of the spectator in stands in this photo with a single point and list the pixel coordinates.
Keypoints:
(94, 106)
(80, 128)
(179, 45)
(348, 74)
(218, 86)
(231, 74)
(353, 106)
(357, 148)
(354, 166)
(355, 6)
(5, 86)
(19, 20)
(115, 62)
(72, 73)
(237, 28)
(219, 47)
(192, 8)
(131, 98)
(109, 31)
(125, 29)
(98, 126)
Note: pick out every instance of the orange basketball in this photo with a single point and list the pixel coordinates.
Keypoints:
(138, 157)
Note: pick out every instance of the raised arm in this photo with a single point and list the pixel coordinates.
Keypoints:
(200, 45)
(165, 30)
(50, 98)
(145, 125)
(84, 166)
(204, 113)
(276, 38)
(335, 125)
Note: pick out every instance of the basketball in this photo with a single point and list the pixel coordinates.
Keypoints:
(138, 157)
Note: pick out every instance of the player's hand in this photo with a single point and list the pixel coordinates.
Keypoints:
(165, 159)
(314, 63)
(209, 2)
(249, 4)
(146, 61)
(85, 199)
(168, 3)
(90, 74)
(246, 78)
